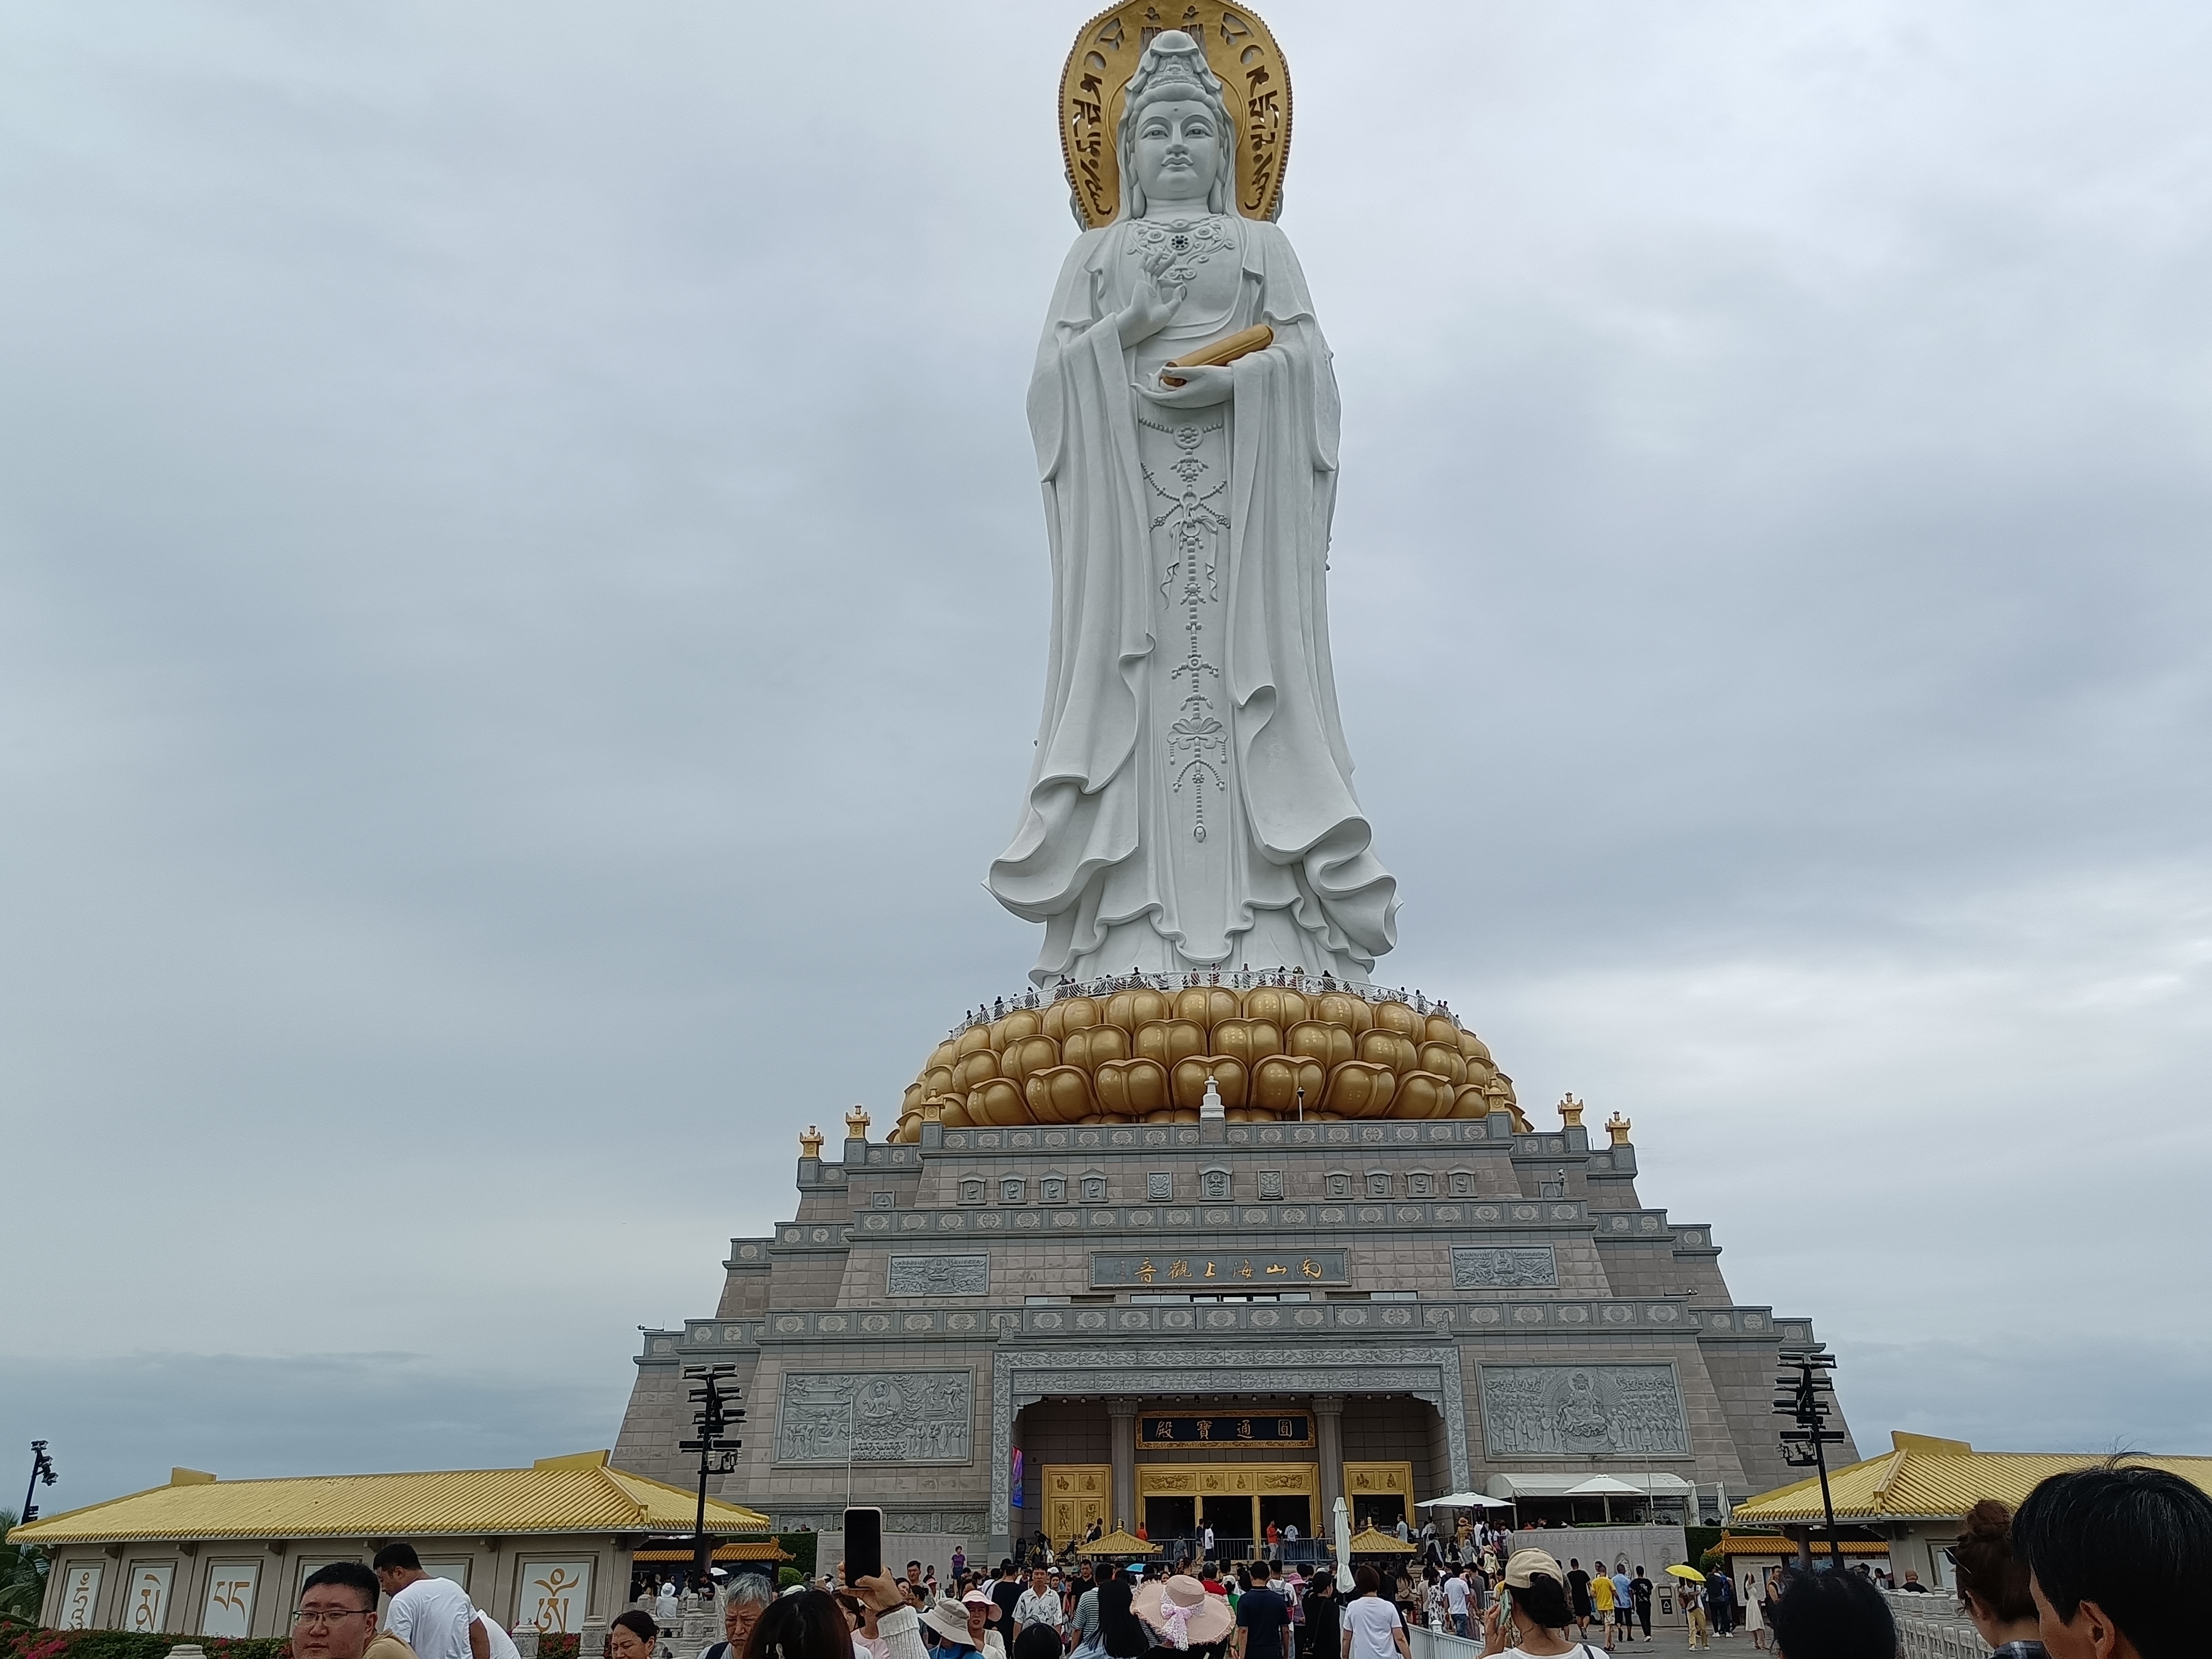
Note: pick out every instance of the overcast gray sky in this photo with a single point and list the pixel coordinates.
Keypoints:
(522, 614)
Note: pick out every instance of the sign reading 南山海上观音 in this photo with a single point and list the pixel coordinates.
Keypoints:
(1201, 1271)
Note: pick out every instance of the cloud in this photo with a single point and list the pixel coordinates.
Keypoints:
(522, 612)
(119, 1421)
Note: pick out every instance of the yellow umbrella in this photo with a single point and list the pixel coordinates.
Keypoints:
(1690, 1573)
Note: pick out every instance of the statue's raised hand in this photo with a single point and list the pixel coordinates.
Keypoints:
(1150, 309)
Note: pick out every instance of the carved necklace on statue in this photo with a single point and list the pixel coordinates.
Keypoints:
(1172, 249)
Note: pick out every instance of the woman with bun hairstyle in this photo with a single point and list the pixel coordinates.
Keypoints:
(1993, 1582)
(1530, 1617)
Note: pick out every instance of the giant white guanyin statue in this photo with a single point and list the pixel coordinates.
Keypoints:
(1191, 806)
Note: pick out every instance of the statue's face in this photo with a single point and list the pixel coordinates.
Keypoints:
(1178, 150)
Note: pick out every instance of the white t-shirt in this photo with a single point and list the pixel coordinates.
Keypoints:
(1456, 1596)
(502, 1644)
(433, 1616)
(1371, 1621)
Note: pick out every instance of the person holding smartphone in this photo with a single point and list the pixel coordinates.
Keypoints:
(1530, 1619)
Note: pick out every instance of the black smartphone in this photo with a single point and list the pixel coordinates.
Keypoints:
(863, 1544)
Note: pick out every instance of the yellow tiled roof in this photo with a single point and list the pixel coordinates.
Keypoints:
(577, 1494)
(1924, 1478)
(1375, 1542)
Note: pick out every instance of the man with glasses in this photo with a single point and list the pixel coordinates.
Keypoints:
(336, 1617)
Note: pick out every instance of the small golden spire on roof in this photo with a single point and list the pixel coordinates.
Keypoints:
(932, 1109)
(810, 1143)
(856, 1123)
(1571, 1111)
(1617, 1127)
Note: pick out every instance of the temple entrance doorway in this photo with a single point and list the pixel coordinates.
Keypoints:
(1170, 1517)
(1237, 1500)
(1284, 1512)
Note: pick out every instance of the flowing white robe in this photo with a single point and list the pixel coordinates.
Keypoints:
(1191, 802)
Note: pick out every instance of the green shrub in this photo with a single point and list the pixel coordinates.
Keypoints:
(18, 1643)
(786, 1577)
(558, 1646)
(800, 1546)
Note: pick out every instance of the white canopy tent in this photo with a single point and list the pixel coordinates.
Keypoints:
(1631, 1483)
(1606, 1488)
(1466, 1500)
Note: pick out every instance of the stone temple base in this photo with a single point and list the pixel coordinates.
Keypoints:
(990, 1329)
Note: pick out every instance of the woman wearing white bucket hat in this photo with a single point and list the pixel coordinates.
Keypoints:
(966, 1624)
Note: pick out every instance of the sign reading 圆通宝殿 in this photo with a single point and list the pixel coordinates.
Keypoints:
(1263, 1429)
(1217, 1270)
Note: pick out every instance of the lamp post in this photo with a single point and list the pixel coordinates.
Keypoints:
(717, 1411)
(1802, 1396)
(42, 1468)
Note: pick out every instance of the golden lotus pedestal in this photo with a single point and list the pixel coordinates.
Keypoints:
(1144, 1052)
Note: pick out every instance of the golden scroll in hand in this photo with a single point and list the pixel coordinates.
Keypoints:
(1243, 343)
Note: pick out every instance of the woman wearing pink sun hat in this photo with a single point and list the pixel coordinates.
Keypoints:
(1180, 1613)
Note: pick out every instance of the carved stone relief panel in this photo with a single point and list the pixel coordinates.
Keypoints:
(1578, 1411)
(1476, 1268)
(940, 1275)
(877, 1417)
(1271, 1183)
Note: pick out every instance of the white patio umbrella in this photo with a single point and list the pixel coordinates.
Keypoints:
(1342, 1520)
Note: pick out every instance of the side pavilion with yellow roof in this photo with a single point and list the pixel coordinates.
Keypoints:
(547, 1546)
(1912, 1498)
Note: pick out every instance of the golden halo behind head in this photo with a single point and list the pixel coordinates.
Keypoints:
(1238, 48)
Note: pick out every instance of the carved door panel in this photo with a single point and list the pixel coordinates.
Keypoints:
(1075, 1495)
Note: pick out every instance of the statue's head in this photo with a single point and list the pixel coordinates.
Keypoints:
(1177, 144)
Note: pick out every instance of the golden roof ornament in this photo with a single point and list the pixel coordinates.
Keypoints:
(856, 1123)
(1242, 56)
(810, 1143)
(1571, 1111)
(1617, 1127)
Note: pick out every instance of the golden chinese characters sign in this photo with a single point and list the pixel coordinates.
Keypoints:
(1255, 80)
(1263, 1428)
(1222, 1271)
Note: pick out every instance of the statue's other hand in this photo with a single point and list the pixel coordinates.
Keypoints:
(1150, 309)
(1202, 387)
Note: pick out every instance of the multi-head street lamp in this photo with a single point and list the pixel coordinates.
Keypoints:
(1804, 1394)
(42, 1469)
(718, 1412)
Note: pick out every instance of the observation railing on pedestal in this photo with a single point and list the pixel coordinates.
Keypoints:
(1243, 980)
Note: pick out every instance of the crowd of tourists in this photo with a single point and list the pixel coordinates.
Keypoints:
(2104, 1563)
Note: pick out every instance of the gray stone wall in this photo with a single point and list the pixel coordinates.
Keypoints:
(1632, 1287)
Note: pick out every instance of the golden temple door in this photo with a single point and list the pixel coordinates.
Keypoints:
(1075, 1495)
